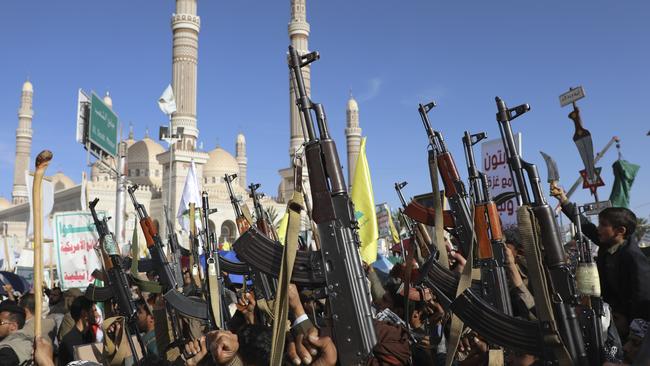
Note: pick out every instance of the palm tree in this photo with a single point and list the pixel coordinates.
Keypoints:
(642, 227)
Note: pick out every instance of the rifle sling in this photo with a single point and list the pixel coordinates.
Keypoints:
(437, 207)
(530, 239)
(281, 302)
(215, 293)
(464, 283)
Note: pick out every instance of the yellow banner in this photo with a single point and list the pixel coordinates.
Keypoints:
(364, 207)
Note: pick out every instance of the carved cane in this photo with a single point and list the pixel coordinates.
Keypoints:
(42, 161)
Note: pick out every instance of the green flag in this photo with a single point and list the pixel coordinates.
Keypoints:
(624, 174)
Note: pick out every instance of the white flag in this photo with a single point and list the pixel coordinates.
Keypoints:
(190, 194)
(84, 199)
(47, 191)
(166, 102)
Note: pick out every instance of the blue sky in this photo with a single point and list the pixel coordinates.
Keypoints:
(392, 54)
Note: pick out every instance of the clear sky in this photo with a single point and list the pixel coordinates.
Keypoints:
(392, 54)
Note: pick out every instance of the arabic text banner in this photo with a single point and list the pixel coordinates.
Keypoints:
(497, 173)
(75, 239)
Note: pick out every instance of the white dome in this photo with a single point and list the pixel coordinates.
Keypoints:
(28, 87)
(220, 162)
(4, 203)
(61, 181)
(144, 151)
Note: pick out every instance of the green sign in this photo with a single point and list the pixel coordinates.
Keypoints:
(102, 129)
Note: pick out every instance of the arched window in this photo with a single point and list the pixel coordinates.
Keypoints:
(228, 232)
(137, 172)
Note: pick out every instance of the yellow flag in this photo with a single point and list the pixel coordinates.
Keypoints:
(282, 229)
(364, 207)
(393, 229)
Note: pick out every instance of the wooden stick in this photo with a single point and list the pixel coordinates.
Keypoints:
(42, 161)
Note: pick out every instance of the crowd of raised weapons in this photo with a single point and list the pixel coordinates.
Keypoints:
(457, 258)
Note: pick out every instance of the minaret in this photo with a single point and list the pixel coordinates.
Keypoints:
(242, 160)
(352, 136)
(176, 163)
(185, 28)
(299, 38)
(108, 100)
(23, 144)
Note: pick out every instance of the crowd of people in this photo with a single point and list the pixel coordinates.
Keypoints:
(417, 336)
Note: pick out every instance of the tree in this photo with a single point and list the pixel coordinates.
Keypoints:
(642, 227)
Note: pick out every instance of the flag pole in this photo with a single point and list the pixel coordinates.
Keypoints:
(42, 161)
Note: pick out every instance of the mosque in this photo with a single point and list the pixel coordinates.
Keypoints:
(148, 162)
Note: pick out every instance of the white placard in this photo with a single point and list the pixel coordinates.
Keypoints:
(571, 96)
(75, 242)
(495, 167)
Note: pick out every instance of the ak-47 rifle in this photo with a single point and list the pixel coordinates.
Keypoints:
(242, 222)
(556, 336)
(215, 287)
(117, 280)
(264, 286)
(489, 236)
(262, 221)
(454, 186)
(338, 263)
(591, 310)
(333, 214)
(441, 280)
(174, 248)
(187, 306)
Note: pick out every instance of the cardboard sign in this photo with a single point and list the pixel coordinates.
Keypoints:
(75, 240)
(499, 180)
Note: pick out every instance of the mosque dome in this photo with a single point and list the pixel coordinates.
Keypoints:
(4, 203)
(98, 169)
(220, 162)
(61, 181)
(144, 151)
(28, 87)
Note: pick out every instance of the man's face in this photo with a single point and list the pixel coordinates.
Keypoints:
(142, 319)
(55, 296)
(608, 234)
(6, 326)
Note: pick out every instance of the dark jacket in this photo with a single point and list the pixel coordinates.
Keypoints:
(630, 269)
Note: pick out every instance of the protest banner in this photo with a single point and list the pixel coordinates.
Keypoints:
(75, 240)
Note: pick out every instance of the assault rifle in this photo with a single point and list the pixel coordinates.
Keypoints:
(489, 237)
(454, 186)
(215, 287)
(117, 280)
(441, 280)
(333, 214)
(556, 336)
(242, 222)
(185, 305)
(263, 221)
(174, 248)
(264, 286)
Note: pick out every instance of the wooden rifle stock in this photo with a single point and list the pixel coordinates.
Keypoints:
(448, 172)
(149, 231)
(481, 227)
(426, 215)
